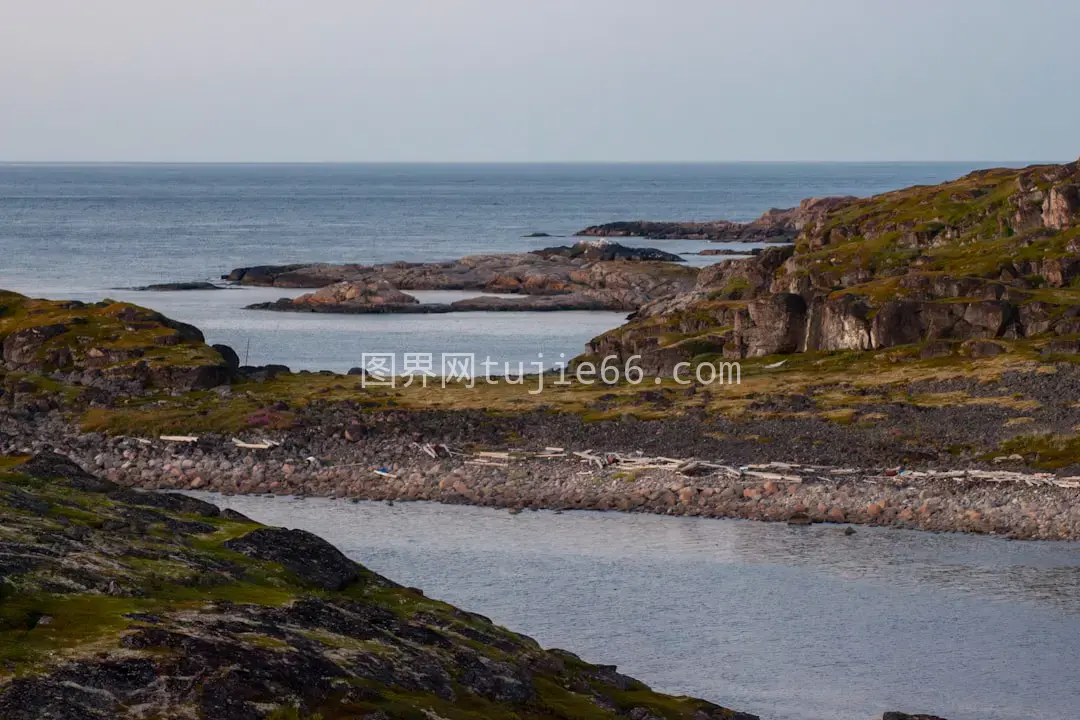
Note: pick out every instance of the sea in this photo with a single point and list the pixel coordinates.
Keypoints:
(90, 231)
(788, 623)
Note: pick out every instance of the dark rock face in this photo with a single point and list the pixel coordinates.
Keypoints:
(262, 373)
(904, 716)
(309, 556)
(54, 466)
(21, 348)
(166, 501)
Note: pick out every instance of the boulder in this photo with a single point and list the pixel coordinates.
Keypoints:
(232, 360)
(359, 293)
(51, 465)
(308, 556)
(166, 501)
(840, 323)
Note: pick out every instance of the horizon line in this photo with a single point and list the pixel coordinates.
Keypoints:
(526, 162)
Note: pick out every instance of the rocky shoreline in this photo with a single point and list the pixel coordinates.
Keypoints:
(388, 459)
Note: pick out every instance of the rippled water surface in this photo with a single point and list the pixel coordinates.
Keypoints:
(787, 623)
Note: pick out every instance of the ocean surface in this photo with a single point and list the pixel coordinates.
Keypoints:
(787, 623)
(82, 231)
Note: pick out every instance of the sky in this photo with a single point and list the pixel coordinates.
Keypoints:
(538, 80)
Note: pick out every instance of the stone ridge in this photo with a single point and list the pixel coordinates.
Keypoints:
(126, 604)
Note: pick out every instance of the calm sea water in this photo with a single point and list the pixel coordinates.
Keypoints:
(80, 231)
(787, 623)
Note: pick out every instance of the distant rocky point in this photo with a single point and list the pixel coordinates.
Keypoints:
(775, 225)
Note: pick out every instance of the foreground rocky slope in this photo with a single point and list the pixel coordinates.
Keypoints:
(968, 267)
(587, 276)
(121, 604)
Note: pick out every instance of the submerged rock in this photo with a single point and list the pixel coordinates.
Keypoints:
(178, 286)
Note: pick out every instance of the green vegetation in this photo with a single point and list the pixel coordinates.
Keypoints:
(116, 338)
(1047, 451)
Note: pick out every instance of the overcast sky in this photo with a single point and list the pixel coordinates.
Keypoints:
(539, 80)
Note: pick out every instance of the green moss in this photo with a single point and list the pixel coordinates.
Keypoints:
(265, 641)
(1047, 451)
(35, 625)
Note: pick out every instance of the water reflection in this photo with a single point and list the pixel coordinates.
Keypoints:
(788, 623)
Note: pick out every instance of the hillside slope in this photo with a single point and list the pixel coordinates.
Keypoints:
(966, 266)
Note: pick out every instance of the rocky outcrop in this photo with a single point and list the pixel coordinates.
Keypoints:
(587, 276)
(474, 272)
(607, 251)
(121, 604)
(307, 556)
(773, 226)
(377, 292)
(291, 276)
(991, 257)
(106, 344)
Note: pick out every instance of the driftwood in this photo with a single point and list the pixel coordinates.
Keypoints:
(780, 472)
(264, 445)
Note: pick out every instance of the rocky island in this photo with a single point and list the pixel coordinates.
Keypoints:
(586, 276)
